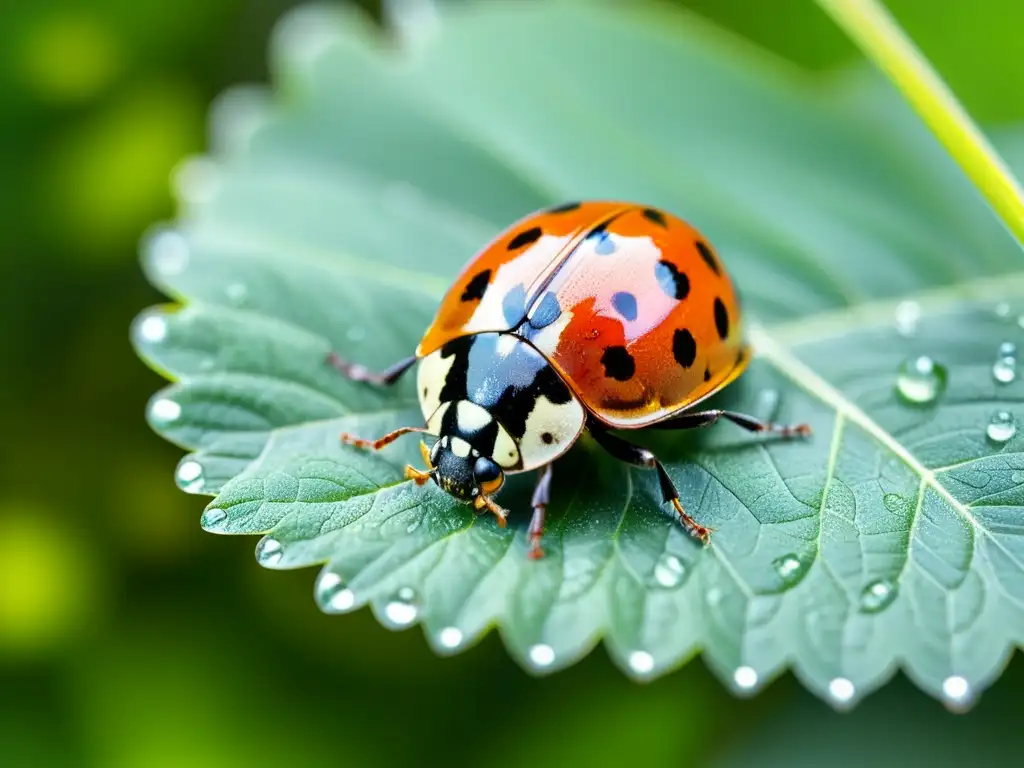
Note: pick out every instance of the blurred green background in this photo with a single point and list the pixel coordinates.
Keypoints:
(129, 637)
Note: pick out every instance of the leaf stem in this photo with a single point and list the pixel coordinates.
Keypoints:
(880, 37)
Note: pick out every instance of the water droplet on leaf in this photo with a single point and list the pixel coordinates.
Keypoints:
(331, 594)
(402, 609)
(669, 571)
(894, 502)
(1002, 309)
(213, 518)
(790, 569)
(641, 662)
(450, 637)
(1004, 369)
(745, 678)
(269, 551)
(957, 691)
(878, 595)
(920, 379)
(152, 329)
(1001, 427)
(164, 410)
(190, 476)
(541, 655)
(841, 690)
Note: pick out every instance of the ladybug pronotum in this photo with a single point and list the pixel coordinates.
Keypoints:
(595, 315)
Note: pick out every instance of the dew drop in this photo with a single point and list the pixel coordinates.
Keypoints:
(331, 594)
(167, 253)
(190, 476)
(164, 410)
(450, 637)
(411, 527)
(714, 596)
(237, 293)
(269, 552)
(669, 571)
(402, 610)
(957, 691)
(745, 678)
(894, 502)
(877, 596)
(920, 379)
(1002, 309)
(1017, 477)
(153, 329)
(213, 518)
(1007, 349)
(541, 655)
(908, 313)
(789, 568)
(1004, 369)
(841, 690)
(1001, 427)
(641, 662)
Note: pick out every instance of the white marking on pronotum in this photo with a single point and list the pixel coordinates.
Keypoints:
(460, 447)
(472, 417)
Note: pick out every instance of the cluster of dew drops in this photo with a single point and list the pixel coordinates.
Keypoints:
(921, 379)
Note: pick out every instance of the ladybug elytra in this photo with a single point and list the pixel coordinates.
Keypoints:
(595, 315)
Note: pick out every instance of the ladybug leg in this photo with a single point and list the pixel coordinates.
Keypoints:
(541, 497)
(749, 423)
(641, 457)
(357, 372)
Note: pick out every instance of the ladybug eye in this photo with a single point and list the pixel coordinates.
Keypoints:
(485, 470)
(488, 475)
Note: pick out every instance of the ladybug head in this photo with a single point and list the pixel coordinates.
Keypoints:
(464, 472)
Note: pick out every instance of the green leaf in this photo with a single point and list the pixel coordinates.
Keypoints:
(332, 214)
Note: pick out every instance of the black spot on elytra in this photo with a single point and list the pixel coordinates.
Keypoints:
(547, 311)
(548, 438)
(625, 304)
(564, 208)
(525, 237)
(708, 256)
(684, 348)
(426, 390)
(673, 282)
(618, 364)
(707, 374)
(475, 288)
(721, 319)
(656, 216)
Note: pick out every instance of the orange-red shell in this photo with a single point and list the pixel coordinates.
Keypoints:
(629, 304)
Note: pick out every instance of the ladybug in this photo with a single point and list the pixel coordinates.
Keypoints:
(593, 316)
